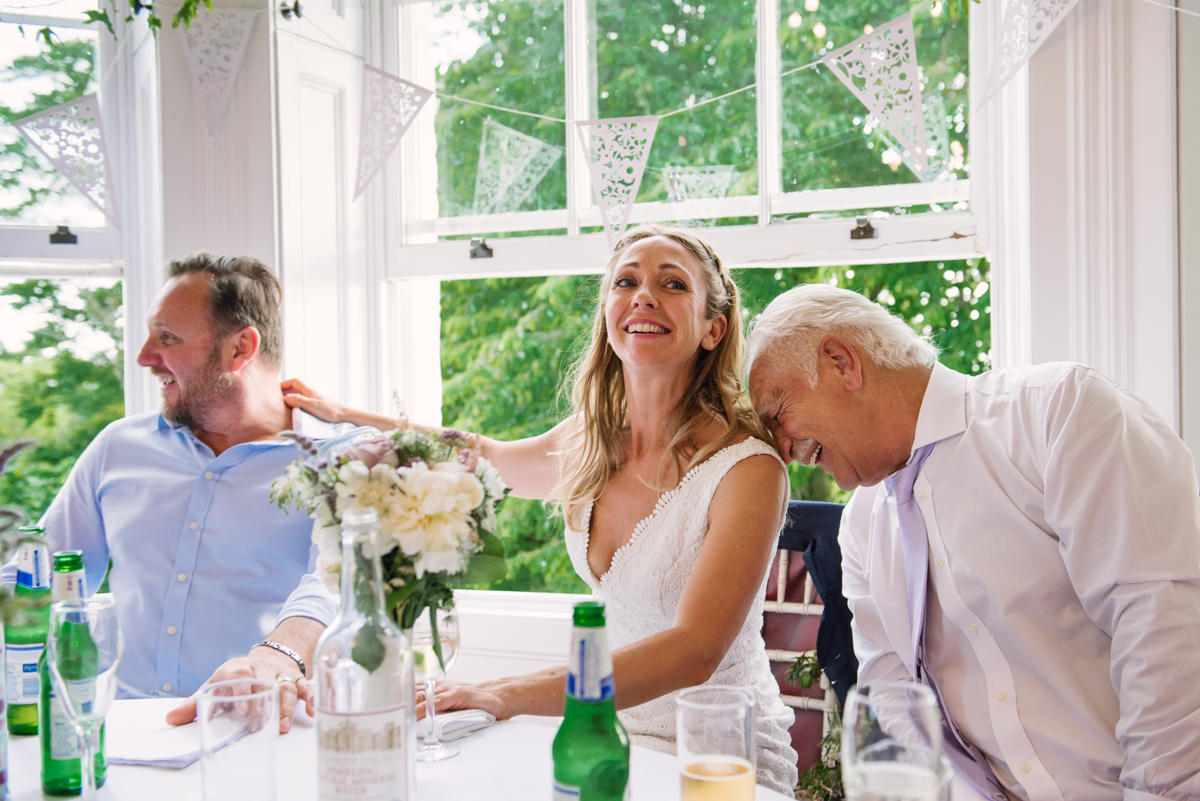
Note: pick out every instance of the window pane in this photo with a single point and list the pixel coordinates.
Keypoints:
(829, 138)
(508, 345)
(60, 378)
(507, 54)
(36, 75)
(671, 55)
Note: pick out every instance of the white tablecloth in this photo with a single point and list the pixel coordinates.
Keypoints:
(510, 761)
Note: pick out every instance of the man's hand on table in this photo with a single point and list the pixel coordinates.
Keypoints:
(260, 663)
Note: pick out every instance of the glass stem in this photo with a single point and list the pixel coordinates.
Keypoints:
(431, 739)
(89, 740)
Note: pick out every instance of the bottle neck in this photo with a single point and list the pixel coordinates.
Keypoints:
(362, 576)
(589, 669)
(68, 585)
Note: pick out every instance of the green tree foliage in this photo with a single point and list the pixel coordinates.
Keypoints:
(59, 72)
(507, 343)
(55, 392)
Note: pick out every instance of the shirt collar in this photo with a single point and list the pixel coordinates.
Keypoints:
(302, 423)
(943, 409)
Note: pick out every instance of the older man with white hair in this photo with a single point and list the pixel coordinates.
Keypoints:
(1026, 541)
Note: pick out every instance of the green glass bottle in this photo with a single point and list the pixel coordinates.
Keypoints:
(25, 636)
(60, 744)
(591, 749)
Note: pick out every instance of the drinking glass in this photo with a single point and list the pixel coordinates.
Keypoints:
(714, 731)
(83, 651)
(892, 743)
(239, 726)
(435, 631)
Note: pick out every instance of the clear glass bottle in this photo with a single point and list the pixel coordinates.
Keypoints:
(59, 742)
(366, 714)
(591, 748)
(25, 635)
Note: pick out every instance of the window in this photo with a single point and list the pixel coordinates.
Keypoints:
(776, 170)
(61, 311)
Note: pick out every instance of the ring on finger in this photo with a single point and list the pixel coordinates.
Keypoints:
(282, 679)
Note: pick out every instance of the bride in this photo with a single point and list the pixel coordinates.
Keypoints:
(671, 495)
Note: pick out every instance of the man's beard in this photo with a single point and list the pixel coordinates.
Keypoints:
(210, 389)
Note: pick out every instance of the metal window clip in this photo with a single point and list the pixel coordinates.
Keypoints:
(863, 230)
(288, 10)
(62, 236)
(480, 249)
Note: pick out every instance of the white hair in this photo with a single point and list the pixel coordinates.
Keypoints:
(792, 326)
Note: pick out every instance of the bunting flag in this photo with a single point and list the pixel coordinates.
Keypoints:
(616, 151)
(708, 180)
(1025, 26)
(389, 105)
(215, 45)
(71, 136)
(937, 141)
(510, 165)
(881, 70)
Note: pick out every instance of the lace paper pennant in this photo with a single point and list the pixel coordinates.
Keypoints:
(1025, 26)
(71, 136)
(937, 145)
(616, 149)
(881, 70)
(708, 180)
(215, 45)
(389, 105)
(510, 165)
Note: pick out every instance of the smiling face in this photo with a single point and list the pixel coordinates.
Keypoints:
(184, 353)
(827, 425)
(654, 306)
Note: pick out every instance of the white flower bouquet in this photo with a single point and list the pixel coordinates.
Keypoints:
(435, 498)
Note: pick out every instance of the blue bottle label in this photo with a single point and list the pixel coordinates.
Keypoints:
(21, 673)
(33, 566)
(590, 672)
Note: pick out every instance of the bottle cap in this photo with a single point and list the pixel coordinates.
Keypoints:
(360, 517)
(67, 561)
(589, 614)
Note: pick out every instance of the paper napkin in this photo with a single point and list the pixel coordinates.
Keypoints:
(458, 724)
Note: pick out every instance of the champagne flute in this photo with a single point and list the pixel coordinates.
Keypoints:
(892, 743)
(435, 644)
(83, 651)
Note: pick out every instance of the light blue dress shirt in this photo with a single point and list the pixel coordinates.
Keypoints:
(204, 564)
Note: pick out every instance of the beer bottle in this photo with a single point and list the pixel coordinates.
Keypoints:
(25, 636)
(366, 714)
(591, 749)
(59, 742)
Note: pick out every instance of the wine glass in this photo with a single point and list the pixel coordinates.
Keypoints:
(434, 632)
(83, 651)
(892, 743)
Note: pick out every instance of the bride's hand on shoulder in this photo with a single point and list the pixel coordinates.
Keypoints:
(298, 395)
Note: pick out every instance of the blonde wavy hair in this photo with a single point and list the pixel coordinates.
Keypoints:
(592, 445)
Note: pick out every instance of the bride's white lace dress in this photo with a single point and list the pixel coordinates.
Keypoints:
(641, 592)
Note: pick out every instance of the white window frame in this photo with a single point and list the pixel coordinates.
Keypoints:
(415, 253)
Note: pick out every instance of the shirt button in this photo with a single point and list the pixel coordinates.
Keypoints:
(973, 628)
(941, 563)
(1026, 767)
(166, 688)
(193, 525)
(208, 474)
(922, 497)
(170, 629)
(182, 577)
(1001, 697)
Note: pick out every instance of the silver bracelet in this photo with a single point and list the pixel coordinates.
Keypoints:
(283, 649)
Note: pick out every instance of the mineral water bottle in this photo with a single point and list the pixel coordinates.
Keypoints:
(60, 744)
(366, 714)
(591, 749)
(25, 635)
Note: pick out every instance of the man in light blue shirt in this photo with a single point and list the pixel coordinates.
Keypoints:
(209, 576)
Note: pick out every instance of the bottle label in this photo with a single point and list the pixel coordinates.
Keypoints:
(64, 743)
(361, 756)
(33, 566)
(81, 693)
(564, 792)
(590, 672)
(21, 673)
(69, 586)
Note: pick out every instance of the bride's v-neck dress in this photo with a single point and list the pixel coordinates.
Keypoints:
(641, 592)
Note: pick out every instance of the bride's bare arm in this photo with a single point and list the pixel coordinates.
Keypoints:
(528, 466)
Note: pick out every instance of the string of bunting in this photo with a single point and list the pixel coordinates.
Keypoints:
(880, 68)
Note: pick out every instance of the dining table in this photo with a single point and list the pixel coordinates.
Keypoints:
(507, 761)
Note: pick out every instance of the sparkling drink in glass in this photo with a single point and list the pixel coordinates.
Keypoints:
(715, 741)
